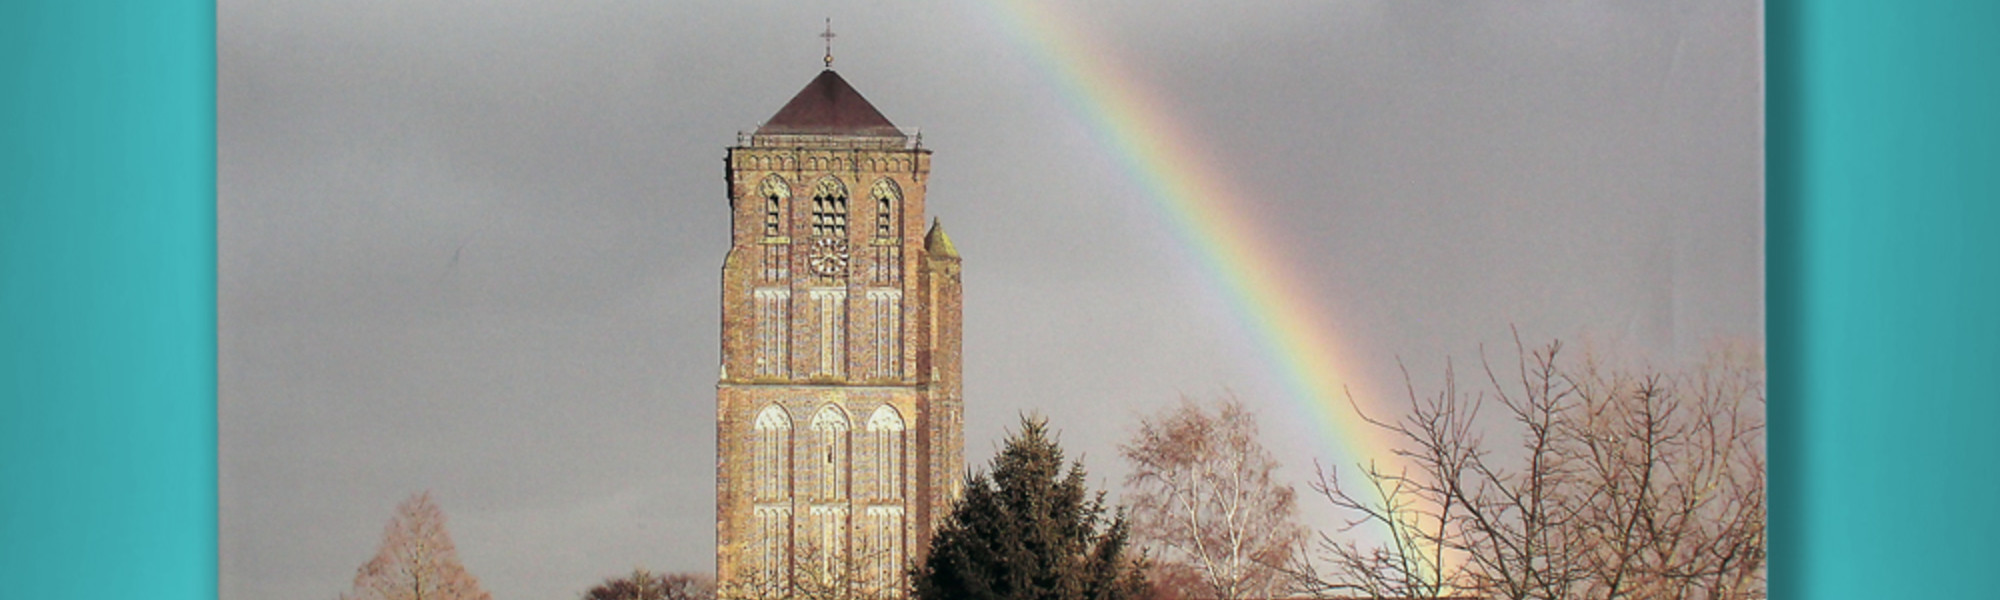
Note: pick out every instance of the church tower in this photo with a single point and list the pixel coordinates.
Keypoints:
(839, 436)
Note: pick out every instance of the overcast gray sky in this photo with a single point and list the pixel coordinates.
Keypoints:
(474, 247)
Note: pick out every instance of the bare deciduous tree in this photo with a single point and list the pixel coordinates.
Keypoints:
(1674, 465)
(642, 584)
(821, 575)
(1202, 492)
(1625, 485)
(1418, 511)
(814, 574)
(416, 560)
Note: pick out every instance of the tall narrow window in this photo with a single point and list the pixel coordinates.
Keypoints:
(885, 531)
(774, 332)
(777, 251)
(829, 320)
(775, 193)
(828, 450)
(777, 262)
(880, 482)
(887, 266)
(886, 196)
(885, 453)
(773, 209)
(771, 474)
(829, 455)
(883, 552)
(771, 455)
(885, 316)
(770, 554)
(826, 552)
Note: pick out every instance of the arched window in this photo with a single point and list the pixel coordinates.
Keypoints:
(777, 226)
(888, 260)
(828, 513)
(883, 533)
(885, 454)
(775, 193)
(829, 455)
(887, 197)
(771, 549)
(771, 455)
(830, 209)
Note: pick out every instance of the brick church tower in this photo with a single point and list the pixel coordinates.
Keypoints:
(839, 435)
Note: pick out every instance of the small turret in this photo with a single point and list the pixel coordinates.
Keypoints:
(937, 244)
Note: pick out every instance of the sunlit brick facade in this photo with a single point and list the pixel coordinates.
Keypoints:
(839, 409)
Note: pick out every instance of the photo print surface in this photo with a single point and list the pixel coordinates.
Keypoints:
(509, 274)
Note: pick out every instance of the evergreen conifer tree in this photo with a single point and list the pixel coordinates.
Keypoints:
(1028, 530)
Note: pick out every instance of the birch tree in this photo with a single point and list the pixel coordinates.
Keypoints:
(416, 560)
(1203, 493)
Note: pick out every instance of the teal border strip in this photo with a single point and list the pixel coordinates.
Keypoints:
(1884, 207)
(1884, 298)
(107, 299)
(1784, 260)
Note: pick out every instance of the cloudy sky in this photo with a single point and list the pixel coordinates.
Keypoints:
(474, 247)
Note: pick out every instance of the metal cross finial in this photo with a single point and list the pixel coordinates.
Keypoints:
(828, 36)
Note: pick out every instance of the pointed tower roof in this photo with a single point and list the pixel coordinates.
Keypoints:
(829, 106)
(937, 243)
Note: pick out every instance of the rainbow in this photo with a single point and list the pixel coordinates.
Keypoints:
(1288, 323)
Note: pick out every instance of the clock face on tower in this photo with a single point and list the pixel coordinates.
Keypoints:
(828, 256)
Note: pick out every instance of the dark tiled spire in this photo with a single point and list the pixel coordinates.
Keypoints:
(829, 106)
